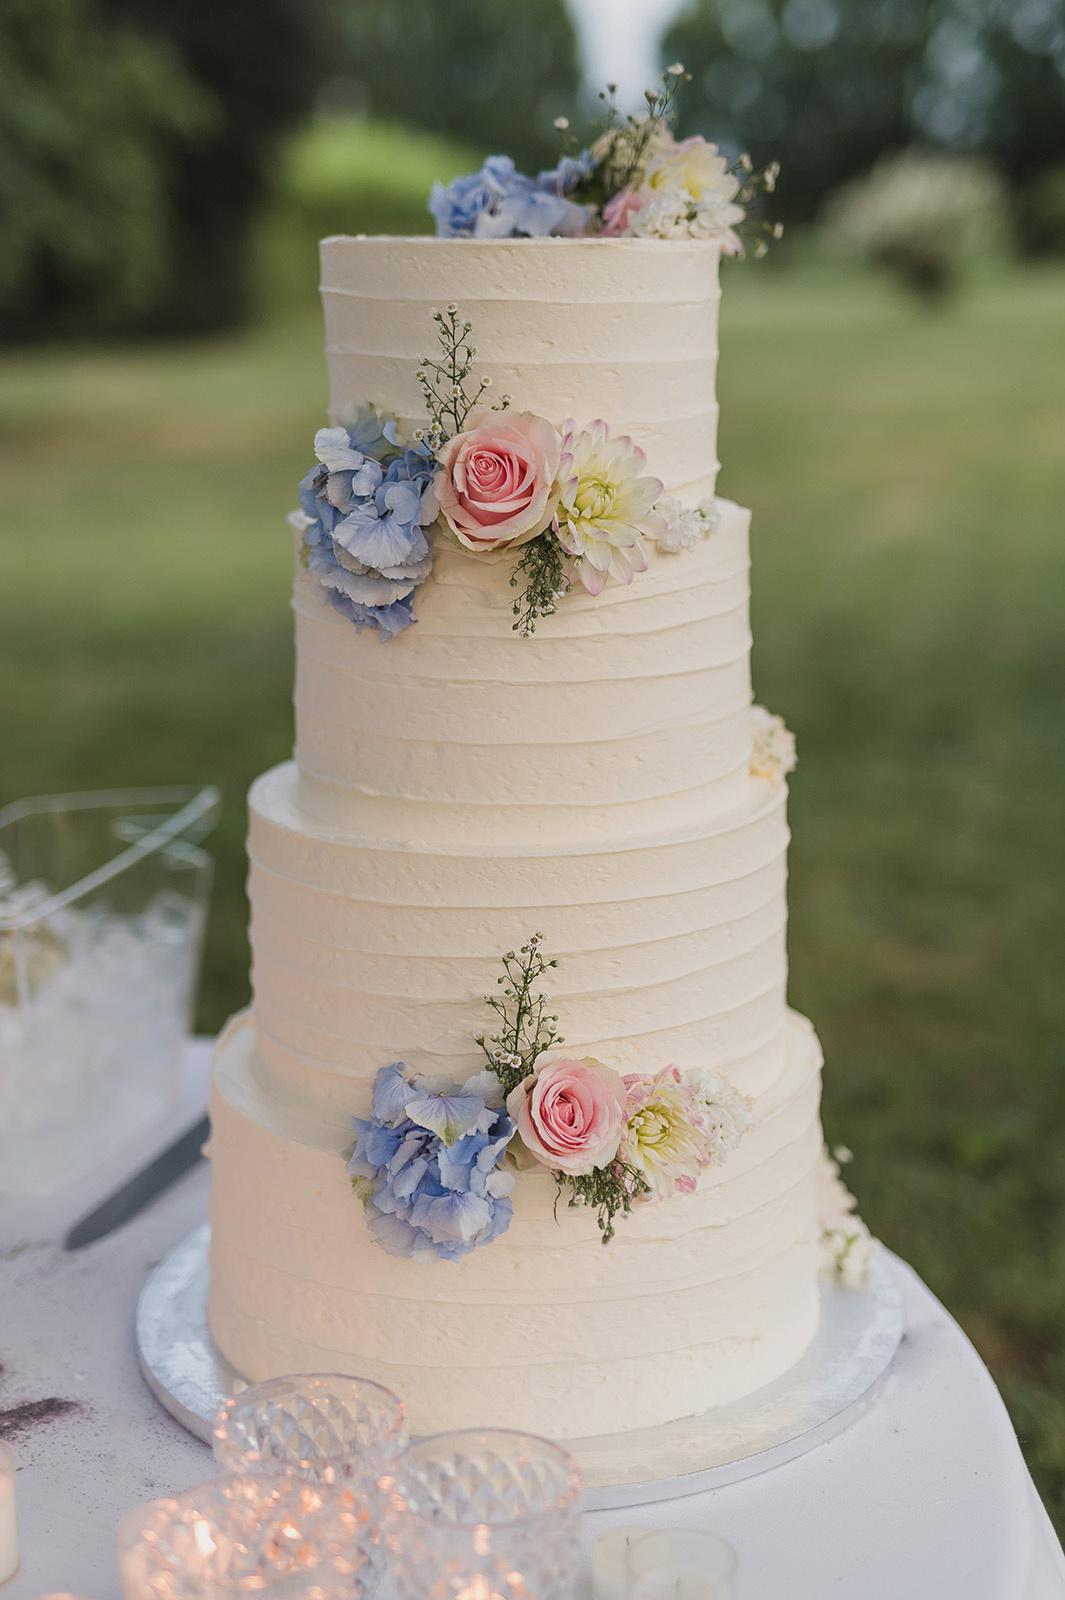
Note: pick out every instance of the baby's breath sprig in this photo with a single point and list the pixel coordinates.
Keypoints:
(611, 1191)
(541, 564)
(755, 182)
(445, 384)
(626, 140)
(527, 1028)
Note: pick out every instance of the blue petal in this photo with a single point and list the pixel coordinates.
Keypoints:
(398, 1237)
(374, 540)
(448, 1116)
(454, 1219)
(333, 448)
(391, 1094)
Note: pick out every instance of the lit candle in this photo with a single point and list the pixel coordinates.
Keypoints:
(8, 1534)
(610, 1563)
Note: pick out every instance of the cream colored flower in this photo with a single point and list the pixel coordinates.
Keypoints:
(685, 525)
(606, 505)
(773, 747)
(694, 165)
(847, 1247)
(666, 1139)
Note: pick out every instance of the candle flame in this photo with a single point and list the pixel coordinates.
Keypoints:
(201, 1538)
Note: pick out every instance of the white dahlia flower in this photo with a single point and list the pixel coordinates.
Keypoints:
(606, 505)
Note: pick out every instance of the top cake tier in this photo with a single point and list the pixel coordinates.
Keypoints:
(624, 329)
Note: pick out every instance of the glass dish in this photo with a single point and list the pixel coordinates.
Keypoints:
(103, 904)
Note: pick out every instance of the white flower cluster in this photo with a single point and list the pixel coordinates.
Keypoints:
(725, 1112)
(773, 751)
(847, 1246)
(677, 214)
(685, 525)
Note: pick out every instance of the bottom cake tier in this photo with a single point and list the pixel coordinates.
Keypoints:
(698, 1300)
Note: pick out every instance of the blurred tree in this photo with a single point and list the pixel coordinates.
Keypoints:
(89, 122)
(262, 61)
(830, 85)
(491, 73)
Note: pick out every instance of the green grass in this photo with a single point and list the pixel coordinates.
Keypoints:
(907, 475)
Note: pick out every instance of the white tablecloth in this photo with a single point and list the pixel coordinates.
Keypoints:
(926, 1496)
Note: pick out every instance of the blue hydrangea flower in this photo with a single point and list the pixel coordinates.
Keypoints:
(364, 508)
(428, 1164)
(499, 202)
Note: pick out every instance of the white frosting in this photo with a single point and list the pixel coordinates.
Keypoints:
(367, 951)
(620, 329)
(697, 1300)
(456, 789)
(624, 713)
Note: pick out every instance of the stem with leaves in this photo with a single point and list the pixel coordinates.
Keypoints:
(610, 1191)
(542, 565)
(445, 383)
(526, 1027)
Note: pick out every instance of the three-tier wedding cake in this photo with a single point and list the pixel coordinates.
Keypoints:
(625, 1231)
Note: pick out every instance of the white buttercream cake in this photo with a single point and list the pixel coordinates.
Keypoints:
(455, 788)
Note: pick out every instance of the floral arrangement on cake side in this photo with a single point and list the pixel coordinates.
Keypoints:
(435, 1163)
(629, 178)
(574, 504)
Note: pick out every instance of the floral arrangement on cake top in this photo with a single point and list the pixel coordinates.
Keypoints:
(574, 504)
(630, 178)
(435, 1163)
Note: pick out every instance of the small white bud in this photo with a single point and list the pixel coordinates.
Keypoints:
(419, 435)
(778, 230)
(561, 123)
(452, 308)
(456, 392)
(486, 383)
(676, 70)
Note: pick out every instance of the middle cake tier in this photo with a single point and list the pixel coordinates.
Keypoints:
(625, 716)
(671, 948)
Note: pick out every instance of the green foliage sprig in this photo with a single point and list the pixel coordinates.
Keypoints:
(526, 1027)
(445, 384)
(542, 566)
(610, 1191)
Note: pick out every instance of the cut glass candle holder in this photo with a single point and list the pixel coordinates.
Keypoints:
(337, 1432)
(103, 901)
(483, 1515)
(275, 1539)
(322, 1427)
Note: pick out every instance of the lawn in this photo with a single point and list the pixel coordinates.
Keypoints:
(906, 472)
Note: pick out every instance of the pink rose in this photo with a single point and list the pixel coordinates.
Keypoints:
(496, 481)
(619, 211)
(570, 1115)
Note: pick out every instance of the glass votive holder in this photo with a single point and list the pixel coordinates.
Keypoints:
(681, 1564)
(319, 1426)
(8, 1526)
(276, 1538)
(483, 1515)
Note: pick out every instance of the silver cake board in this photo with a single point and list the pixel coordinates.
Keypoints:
(814, 1401)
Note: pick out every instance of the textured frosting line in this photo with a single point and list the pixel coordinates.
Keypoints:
(599, 328)
(717, 1290)
(624, 713)
(370, 951)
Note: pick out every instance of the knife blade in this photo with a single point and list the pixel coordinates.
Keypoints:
(144, 1187)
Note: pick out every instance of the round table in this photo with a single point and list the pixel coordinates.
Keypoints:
(925, 1495)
